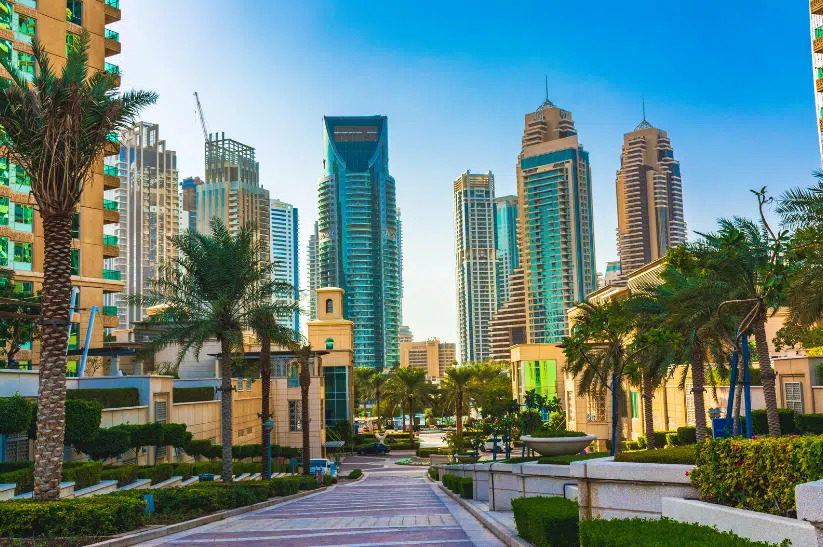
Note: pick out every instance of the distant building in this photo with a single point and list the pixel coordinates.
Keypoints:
(406, 334)
(188, 203)
(400, 262)
(476, 262)
(508, 327)
(506, 234)
(285, 255)
(433, 356)
(816, 8)
(313, 272)
(613, 273)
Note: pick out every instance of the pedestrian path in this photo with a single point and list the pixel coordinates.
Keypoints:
(377, 511)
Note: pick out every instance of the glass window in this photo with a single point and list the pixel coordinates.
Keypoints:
(596, 406)
(4, 211)
(4, 251)
(27, 25)
(74, 336)
(24, 288)
(75, 226)
(4, 171)
(22, 253)
(25, 63)
(329, 306)
(5, 49)
(21, 177)
(5, 15)
(75, 262)
(23, 214)
(329, 343)
(294, 416)
(17, 448)
(74, 11)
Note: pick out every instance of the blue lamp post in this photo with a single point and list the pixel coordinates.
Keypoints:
(268, 425)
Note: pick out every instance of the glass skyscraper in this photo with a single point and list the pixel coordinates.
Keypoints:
(284, 255)
(358, 237)
(505, 235)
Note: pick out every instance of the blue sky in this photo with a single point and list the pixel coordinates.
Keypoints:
(732, 85)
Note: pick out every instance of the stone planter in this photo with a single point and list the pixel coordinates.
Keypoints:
(439, 459)
(465, 458)
(558, 446)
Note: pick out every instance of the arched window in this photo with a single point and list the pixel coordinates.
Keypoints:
(329, 343)
(329, 306)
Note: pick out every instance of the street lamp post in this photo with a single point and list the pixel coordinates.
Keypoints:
(268, 425)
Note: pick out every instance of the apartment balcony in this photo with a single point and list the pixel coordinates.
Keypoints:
(112, 147)
(111, 177)
(112, 275)
(111, 216)
(112, 10)
(111, 247)
(112, 43)
(820, 124)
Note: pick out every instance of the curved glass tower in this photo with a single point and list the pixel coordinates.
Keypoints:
(358, 236)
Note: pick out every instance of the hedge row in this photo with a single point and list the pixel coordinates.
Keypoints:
(684, 455)
(254, 450)
(549, 521)
(566, 460)
(427, 452)
(655, 533)
(434, 473)
(96, 516)
(192, 394)
(127, 474)
(760, 424)
(83, 474)
(117, 397)
(459, 485)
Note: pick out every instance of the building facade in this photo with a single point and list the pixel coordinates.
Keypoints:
(816, 17)
(649, 198)
(400, 263)
(433, 356)
(613, 273)
(555, 208)
(406, 335)
(188, 203)
(232, 191)
(505, 235)
(285, 255)
(358, 234)
(508, 326)
(312, 272)
(149, 203)
(475, 262)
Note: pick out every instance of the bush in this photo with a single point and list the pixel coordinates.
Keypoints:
(631, 445)
(659, 439)
(355, 474)
(427, 452)
(197, 448)
(157, 473)
(192, 394)
(215, 452)
(83, 474)
(23, 479)
(123, 474)
(448, 480)
(557, 420)
(672, 439)
(809, 423)
(760, 424)
(108, 442)
(82, 421)
(676, 455)
(687, 435)
(434, 473)
(566, 460)
(328, 480)
(116, 397)
(547, 521)
(196, 500)
(655, 533)
(175, 435)
(95, 516)
(466, 488)
(247, 451)
(284, 487)
(546, 432)
(15, 415)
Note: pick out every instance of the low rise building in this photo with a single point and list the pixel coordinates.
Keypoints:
(432, 355)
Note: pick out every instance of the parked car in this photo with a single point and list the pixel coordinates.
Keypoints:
(374, 448)
(488, 446)
(325, 466)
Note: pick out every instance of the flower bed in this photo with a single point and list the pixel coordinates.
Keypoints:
(409, 461)
(657, 533)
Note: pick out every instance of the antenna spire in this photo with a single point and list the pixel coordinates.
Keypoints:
(644, 124)
(546, 103)
(547, 87)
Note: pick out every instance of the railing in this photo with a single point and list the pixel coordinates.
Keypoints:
(109, 240)
(112, 275)
(111, 35)
(111, 170)
(110, 205)
(112, 69)
(110, 311)
(113, 3)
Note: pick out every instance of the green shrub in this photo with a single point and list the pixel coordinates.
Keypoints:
(760, 424)
(197, 448)
(83, 474)
(175, 435)
(23, 479)
(672, 439)
(116, 397)
(328, 480)
(355, 474)
(434, 473)
(631, 445)
(123, 474)
(247, 451)
(14, 466)
(676, 455)
(527, 459)
(466, 488)
(447, 480)
(758, 474)
(427, 452)
(108, 442)
(15, 415)
(547, 521)
(192, 394)
(95, 516)
(656, 533)
(809, 423)
(82, 421)
(687, 435)
(284, 487)
(566, 460)
(557, 420)
(214, 452)
(198, 499)
(157, 473)
(659, 439)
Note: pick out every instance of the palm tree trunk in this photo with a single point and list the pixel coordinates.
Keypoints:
(226, 426)
(767, 374)
(51, 394)
(458, 417)
(305, 382)
(698, 383)
(411, 420)
(265, 410)
(379, 420)
(648, 414)
(402, 416)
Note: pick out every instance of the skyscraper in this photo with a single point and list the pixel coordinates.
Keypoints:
(476, 262)
(816, 16)
(313, 272)
(508, 326)
(285, 255)
(358, 234)
(148, 200)
(400, 262)
(188, 203)
(505, 233)
(555, 207)
(649, 198)
(232, 191)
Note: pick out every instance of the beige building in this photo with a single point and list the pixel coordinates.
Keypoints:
(433, 356)
(508, 327)
(649, 198)
(21, 230)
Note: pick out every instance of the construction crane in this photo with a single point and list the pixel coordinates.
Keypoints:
(203, 123)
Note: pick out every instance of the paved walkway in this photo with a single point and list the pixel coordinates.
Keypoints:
(393, 509)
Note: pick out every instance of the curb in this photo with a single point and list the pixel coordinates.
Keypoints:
(501, 532)
(155, 533)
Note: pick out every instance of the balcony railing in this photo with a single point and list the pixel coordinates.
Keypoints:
(110, 240)
(112, 275)
(111, 205)
(820, 72)
(293, 382)
(111, 35)
(112, 69)
(110, 311)
(113, 3)
(111, 170)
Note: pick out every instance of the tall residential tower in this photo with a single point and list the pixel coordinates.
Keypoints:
(284, 255)
(505, 233)
(816, 9)
(476, 262)
(357, 239)
(313, 272)
(555, 206)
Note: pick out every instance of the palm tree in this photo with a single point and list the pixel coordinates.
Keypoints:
(212, 290)
(409, 388)
(306, 362)
(491, 388)
(57, 128)
(376, 389)
(362, 380)
(458, 388)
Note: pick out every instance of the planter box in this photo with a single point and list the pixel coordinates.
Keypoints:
(439, 459)
(66, 492)
(558, 446)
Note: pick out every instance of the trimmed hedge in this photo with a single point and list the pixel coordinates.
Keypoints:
(115, 397)
(355, 474)
(760, 424)
(659, 439)
(427, 452)
(547, 433)
(15, 415)
(757, 474)
(685, 455)
(466, 488)
(95, 516)
(82, 473)
(434, 473)
(688, 435)
(192, 394)
(547, 521)
(123, 474)
(656, 533)
(108, 442)
(566, 460)
(809, 423)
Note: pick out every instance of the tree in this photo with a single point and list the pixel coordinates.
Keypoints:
(16, 415)
(107, 443)
(56, 127)
(376, 389)
(306, 362)
(457, 387)
(409, 388)
(362, 380)
(211, 290)
(17, 324)
(491, 389)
